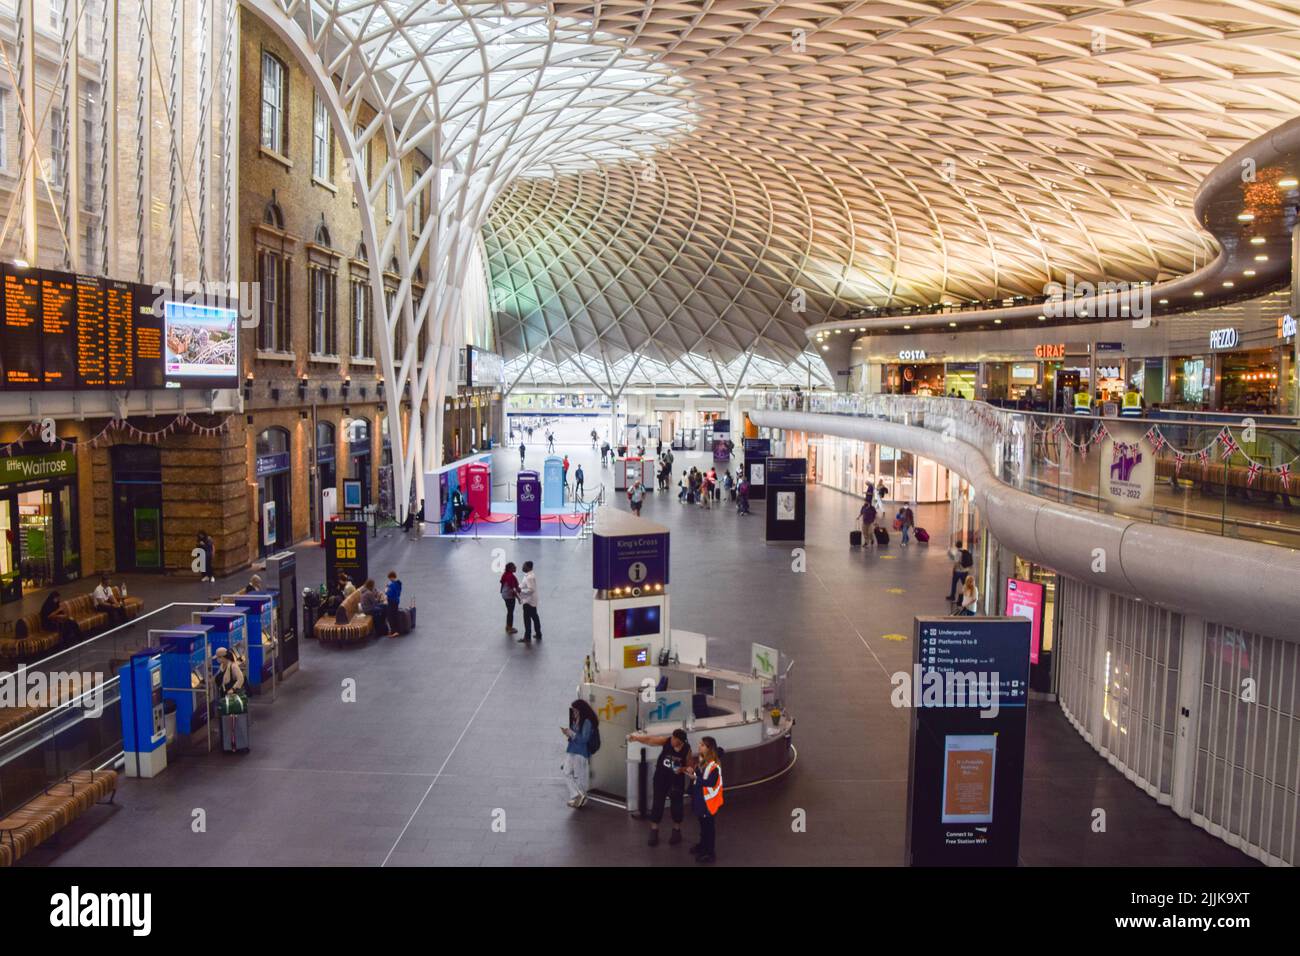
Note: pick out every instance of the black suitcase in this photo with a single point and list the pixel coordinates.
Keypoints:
(882, 537)
(405, 619)
(855, 539)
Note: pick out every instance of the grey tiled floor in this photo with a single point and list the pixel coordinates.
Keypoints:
(456, 725)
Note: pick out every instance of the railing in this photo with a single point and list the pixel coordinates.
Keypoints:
(67, 711)
(1217, 474)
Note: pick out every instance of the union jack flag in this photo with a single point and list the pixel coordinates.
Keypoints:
(1284, 476)
(1179, 460)
(1229, 444)
(1252, 473)
(1204, 456)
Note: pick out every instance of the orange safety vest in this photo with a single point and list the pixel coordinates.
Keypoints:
(713, 796)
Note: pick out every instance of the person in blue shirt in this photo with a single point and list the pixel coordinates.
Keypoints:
(577, 756)
(393, 602)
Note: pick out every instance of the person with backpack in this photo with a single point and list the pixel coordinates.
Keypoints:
(510, 594)
(635, 496)
(705, 776)
(960, 571)
(669, 781)
(583, 736)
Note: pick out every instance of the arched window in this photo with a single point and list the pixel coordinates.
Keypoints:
(324, 441)
(273, 441)
(362, 255)
(273, 215)
(323, 235)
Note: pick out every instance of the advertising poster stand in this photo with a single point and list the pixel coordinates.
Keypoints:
(786, 501)
(967, 694)
(754, 466)
(345, 551)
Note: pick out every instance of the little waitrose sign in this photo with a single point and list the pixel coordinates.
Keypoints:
(34, 467)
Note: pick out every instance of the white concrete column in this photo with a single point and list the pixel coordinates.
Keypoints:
(1182, 781)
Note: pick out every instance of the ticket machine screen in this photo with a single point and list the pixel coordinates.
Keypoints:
(156, 699)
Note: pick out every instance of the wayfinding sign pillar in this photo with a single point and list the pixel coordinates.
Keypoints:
(967, 693)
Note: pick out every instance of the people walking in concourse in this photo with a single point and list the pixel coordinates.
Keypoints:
(669, 781)
(705, 776)
(528, 595)
(577, 484)
(580, 734)
(522, 451)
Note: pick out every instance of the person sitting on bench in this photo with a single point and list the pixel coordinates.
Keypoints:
(106, 601)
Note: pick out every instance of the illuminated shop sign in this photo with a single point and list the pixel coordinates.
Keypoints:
(1286, 326)
(1224, 339)
(912, 355)
(1049, 350)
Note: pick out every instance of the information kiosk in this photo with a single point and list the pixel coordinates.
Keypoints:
(645, 675)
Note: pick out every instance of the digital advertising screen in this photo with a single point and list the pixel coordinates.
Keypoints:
(636, 621)
(200, 345)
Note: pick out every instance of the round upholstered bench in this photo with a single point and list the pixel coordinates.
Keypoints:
(359, 628)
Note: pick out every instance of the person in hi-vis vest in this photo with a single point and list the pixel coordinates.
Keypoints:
(1082, 402)
(705, 775)
(1132, 407)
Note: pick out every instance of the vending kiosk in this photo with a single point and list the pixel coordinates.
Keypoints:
(186, 668)
(528, 497)
(262, 635)
(229, 630)
(144, 729)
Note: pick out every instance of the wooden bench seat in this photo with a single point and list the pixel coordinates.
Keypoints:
(359, 627)
(27, 641)
(49, 812)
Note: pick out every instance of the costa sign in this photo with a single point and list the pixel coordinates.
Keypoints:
(1224, 339)
(912, 355)
(1050, 350)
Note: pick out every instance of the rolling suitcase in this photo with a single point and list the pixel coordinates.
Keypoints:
(922, 536)
(882, 537)
(405, 619)
(855, 539)
(232, 714)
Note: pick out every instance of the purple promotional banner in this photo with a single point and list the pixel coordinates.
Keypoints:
(633, 560)
(528, 495)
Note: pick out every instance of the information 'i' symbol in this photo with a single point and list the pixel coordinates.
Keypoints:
(637, 572)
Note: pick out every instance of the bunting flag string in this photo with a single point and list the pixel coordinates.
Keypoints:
(118, 425)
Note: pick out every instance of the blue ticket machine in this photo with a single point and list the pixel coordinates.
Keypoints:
(229, 630)
(144, 730)
(185, 665)
(261, 634)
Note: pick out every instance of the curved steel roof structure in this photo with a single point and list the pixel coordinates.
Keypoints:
(677, 190)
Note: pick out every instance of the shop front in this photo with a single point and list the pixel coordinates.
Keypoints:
(274, 481)
(137, 507)
(961, 379)
(357, 431)
(913, 377)
(325, 474)
(1251, 381)
(849, 465)
(39, 520)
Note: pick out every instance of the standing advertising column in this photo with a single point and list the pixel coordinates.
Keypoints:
(478, 493)
(967, 694)
(786, 498)
(553, 482)
(721, 437)
(528, 497)
(755, 466)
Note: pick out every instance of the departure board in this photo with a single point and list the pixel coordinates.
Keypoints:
(59, 329)
(65, 331)
(23, 366)
(119, 322)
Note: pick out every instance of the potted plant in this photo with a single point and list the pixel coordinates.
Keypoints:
(775, 714)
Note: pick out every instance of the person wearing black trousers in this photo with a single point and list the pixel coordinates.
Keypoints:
(669, 781)
(705, 776)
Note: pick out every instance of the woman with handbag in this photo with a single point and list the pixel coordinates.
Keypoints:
(510, 594)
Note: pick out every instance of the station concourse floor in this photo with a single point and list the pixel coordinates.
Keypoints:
(456, 725)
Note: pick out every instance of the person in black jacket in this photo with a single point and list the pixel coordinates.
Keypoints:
(669, 781)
